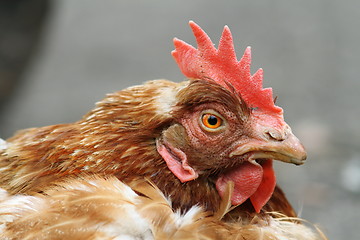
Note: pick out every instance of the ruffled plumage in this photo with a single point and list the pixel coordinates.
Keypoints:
(98, 208)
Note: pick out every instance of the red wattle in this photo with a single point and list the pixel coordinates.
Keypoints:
(246, 178)
(251, 181)
(266, 187)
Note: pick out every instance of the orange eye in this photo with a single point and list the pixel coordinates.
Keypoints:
(211, 121)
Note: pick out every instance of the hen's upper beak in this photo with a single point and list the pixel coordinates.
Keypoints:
(273, 144)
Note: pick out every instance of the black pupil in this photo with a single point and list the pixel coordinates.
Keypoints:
(212, 120)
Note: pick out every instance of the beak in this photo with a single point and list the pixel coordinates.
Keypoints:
(284, 147)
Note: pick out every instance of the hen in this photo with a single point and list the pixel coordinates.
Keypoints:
(191, 139)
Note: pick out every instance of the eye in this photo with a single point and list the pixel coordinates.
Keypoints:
(211, 121)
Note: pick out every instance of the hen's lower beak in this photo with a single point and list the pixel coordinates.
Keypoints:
(287, 149)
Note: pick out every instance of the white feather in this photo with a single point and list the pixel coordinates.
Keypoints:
(166, 98)
(3, 144)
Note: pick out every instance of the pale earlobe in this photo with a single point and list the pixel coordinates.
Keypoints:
(176, 161)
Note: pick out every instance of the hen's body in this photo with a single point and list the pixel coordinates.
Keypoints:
(115, 138)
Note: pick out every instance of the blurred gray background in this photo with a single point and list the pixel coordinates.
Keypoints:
(57, 58)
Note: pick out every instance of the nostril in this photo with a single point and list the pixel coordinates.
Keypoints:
(276, 135)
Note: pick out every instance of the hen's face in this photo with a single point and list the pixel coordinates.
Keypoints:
(217, 136)
(212, 131)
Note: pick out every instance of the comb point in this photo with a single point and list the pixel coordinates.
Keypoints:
(226, 45)
(202, 39)
(258, 77)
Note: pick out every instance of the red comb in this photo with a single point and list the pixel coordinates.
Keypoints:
(222, 66)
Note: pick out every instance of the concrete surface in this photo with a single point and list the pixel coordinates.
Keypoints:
(309, 51)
